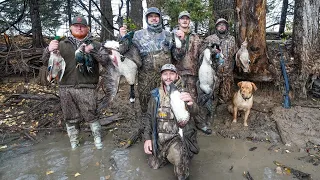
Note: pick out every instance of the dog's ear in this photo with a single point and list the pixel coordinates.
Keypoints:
(239, 84)
(254, 86)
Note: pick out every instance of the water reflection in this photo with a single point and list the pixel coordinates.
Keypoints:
(54, 159)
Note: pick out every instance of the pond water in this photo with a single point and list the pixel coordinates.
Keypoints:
(219, 158)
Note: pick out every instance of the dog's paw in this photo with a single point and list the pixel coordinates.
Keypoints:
(234, 121)
(245, 124)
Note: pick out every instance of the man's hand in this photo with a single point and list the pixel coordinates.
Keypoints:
(54, 44)
(180, 34)
(88, 48)
(148, 147)
(123, 30)
(186, 97)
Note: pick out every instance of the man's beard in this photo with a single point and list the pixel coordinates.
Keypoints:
(222, 32)
(79, 35)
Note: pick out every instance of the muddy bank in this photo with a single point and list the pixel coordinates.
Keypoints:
(270, 122)
(298, 125)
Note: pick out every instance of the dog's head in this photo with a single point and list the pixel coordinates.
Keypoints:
(247, 88)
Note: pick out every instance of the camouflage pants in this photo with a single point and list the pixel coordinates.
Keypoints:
(225, 87)
(78, 104)
(197, 113)
(174, 152)
(147, 82)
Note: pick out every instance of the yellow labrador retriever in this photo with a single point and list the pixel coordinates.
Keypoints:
(242, 100)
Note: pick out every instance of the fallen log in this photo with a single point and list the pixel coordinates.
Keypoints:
(134, 137)
(30, 137)
(32, 97)
(109, 119)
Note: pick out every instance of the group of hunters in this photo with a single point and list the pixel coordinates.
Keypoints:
(160, 63)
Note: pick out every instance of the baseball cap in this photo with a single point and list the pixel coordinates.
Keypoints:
(170, 67)
(184, 13)
(79, 20)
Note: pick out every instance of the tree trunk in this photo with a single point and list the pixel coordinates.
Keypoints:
(306, 42)
(196, 25)
(136, 13)
(107, 11)
(152, 3)
(223, 9)
(37, 38)
(283, 17)
(89, 15)
(251, 24)
(69, 10)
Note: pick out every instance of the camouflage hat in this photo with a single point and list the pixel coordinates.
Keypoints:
(153, 10)
(170, 67)
(222, 20)
(184, 13)
(79, 20)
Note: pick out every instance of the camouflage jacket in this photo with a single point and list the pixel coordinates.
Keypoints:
(152, 126)
(154, 49)
(72, 77)
(228, 47)
(188, 65)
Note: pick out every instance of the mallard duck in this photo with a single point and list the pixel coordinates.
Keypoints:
(56, 66)
(80, 58)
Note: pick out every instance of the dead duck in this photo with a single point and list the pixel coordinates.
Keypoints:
(178, 107)
(121, 66)
(243, 58)
(207, 75)
(56, 66)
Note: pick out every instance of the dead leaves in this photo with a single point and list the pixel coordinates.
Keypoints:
(77, 174)
(30, 109)
(49, 172)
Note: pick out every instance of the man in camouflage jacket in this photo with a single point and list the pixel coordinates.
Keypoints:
(162, 140)
(224, 66)
(155, 48)
(188, 67)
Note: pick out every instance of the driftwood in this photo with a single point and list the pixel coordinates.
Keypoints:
(20, 60)
(110, 119)
(32, 97)
(247, 175)
(12, 137)
(30, 137)
(134, 137)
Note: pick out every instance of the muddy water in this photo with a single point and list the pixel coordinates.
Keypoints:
(53, 159)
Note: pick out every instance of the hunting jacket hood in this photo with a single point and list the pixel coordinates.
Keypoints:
(154, 49)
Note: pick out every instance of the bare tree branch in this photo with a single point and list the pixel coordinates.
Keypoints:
(4, 1)
(120, 19)
(17, 20)
(94, 18)
(104, 16)
(272, 25)
(21, 32)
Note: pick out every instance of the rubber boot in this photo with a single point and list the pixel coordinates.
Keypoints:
(202, 125)
(73, 134)
(96, 132)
